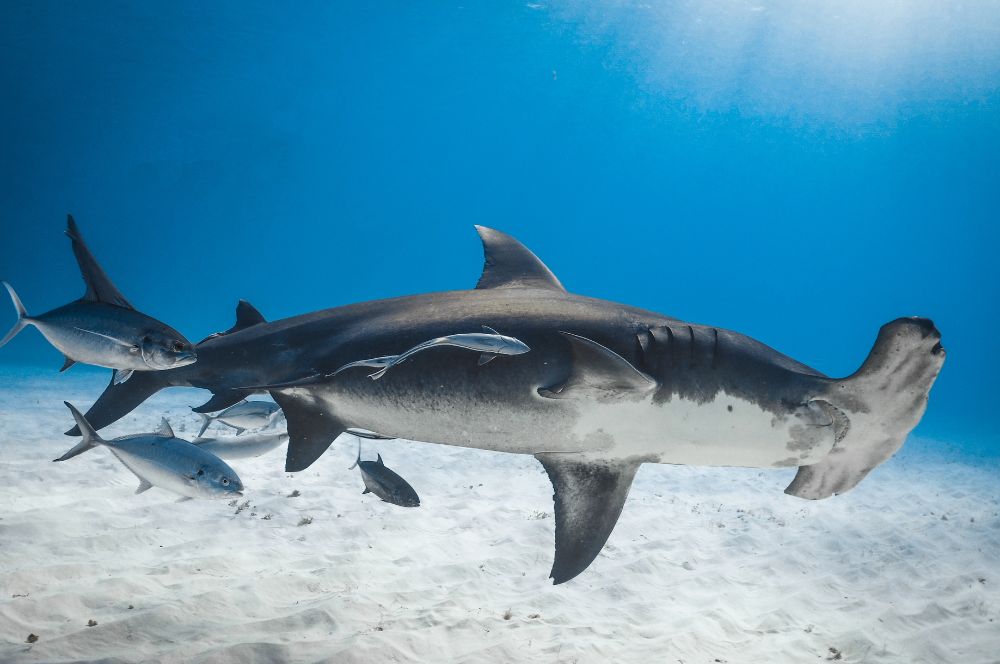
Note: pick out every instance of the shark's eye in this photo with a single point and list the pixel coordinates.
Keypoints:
(201, 472)
(225, 481)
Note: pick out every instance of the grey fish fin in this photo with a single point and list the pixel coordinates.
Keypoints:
(144, 485)
(358, 460)
(378, 374)
(222, 400)
(367, 490)
(164, 429)
(67, 364)
(489, 330)
(486, 358)
(239, 430)
(311, 430)
(600, 373)
(99, 286)
(22, 316)
(206, 421)
(119, 400)
(122, 375)
(380, 462)
(183, 499)
(588, 496)
(509, 264)
(370, 435)
(90, 437)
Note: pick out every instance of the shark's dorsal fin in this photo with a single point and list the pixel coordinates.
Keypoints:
(99, 286)
(588, 496)
(247, 315)
(310, 430)
(509, 264)
(164, 429)
(599, 373)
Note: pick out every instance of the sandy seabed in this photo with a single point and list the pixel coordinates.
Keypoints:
(706, 565)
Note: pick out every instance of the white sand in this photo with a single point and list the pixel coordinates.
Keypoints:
(706, 565)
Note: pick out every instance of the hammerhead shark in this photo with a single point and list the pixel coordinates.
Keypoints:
(604, 388)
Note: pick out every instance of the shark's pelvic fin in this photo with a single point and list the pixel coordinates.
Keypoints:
(99, 287)
(310, 430)
(599, 373)
(509, 264)
(588, 496)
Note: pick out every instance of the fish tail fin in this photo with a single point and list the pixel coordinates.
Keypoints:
(22, 315)
(206, 421)
(874, 409)
(90, 437)
(121, 399)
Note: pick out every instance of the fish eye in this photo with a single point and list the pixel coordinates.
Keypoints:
(178, 345)
(225, 481)
(201, 471)
(146, 339)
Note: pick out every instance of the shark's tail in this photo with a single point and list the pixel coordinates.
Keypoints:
(206, 421)
(121, 399)
(90, 437)
(874, 409)
(22, 316)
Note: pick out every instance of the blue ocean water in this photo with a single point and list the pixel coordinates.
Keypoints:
(800, 173)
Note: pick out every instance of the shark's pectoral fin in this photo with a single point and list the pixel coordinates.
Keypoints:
(599, 373)
(311, 429)
(589, 496)
(486, 358)
(144, 485)
(67, 364)
(222, 400)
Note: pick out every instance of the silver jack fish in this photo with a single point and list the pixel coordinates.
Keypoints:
(242, 447)
(102, 328)
(162, 460)
(244, 415)
(384, 483)
(489, 343)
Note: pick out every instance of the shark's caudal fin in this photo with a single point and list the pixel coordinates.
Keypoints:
(22, 315)
(121, 399)
(90, 437)
(311, 430)
(588, 497)
(874, 409)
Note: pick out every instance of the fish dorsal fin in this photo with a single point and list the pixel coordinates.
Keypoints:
(164, 429)
(310, 430)
(489, 330)
(99, 286)
(509, 264)
(380, 462)
(588, 496)
(144, 485)
(599, 373)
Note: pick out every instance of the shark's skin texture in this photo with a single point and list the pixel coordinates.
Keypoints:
(604, 388)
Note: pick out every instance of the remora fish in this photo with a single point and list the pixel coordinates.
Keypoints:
(489, 343)
(384, 483)
(242, 447)
(159, 459)
(244, 415)
(102, 328)
(605, 388)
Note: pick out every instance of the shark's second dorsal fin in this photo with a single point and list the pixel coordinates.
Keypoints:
(599, 373)
(588, 496)
(509, 264)
(99, 286)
